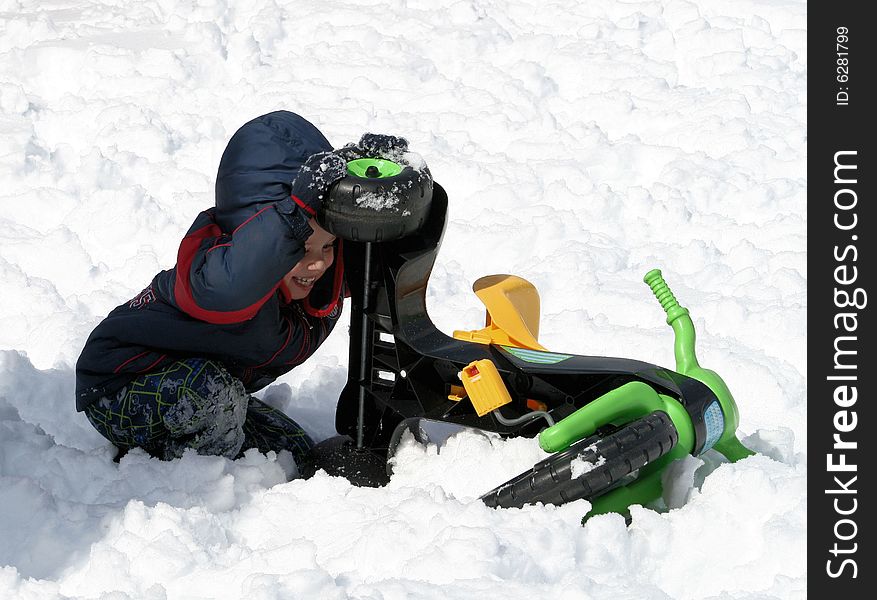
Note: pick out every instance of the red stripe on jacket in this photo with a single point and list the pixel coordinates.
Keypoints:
(183, 286)
(133, 358)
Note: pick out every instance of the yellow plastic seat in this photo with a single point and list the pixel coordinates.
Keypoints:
(512, 312)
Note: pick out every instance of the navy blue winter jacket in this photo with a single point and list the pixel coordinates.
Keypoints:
(225, 299)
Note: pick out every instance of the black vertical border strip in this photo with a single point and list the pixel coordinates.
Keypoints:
(836, 128)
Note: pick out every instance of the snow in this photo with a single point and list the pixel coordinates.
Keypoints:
(581, 144)
(377, 202)
(579, 465)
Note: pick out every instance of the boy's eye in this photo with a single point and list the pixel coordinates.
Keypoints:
(329, 246)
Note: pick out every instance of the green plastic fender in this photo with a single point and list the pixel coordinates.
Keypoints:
(624, 404)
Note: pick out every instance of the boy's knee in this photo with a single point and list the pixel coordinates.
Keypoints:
(208, 401)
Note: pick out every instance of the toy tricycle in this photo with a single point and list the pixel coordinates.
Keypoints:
(612, 424)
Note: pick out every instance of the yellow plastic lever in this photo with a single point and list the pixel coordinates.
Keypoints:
(484, 386)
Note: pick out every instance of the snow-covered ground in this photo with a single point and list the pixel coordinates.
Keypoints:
(581, 144)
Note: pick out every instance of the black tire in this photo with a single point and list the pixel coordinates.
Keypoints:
(625, 451)
(397, 206)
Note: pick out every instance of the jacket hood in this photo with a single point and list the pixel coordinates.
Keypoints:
(260, 162)
(257, 168)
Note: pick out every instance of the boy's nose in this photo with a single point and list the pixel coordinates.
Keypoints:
(317, 265)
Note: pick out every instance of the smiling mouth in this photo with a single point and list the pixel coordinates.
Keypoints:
(304, 282)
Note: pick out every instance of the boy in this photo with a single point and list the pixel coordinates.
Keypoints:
(257, 287)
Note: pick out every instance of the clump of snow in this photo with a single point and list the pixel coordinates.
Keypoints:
(413, 160)
(466, 466)
(581, 144)
(375, 201)
(579, 465)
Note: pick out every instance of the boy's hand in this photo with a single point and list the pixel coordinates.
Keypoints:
(321, 170)
(311, 185)
(380, 146)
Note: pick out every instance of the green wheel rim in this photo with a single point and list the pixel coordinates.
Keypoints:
(361, 167)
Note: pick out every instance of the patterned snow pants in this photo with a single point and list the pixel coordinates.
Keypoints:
(194, 403)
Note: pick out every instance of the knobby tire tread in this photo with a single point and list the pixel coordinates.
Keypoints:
(627, 450)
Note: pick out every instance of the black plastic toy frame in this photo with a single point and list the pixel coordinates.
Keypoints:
(401, 366)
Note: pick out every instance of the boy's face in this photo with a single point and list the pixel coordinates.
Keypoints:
(319, 256)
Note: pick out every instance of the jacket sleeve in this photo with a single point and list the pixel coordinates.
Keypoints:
(225, 278)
